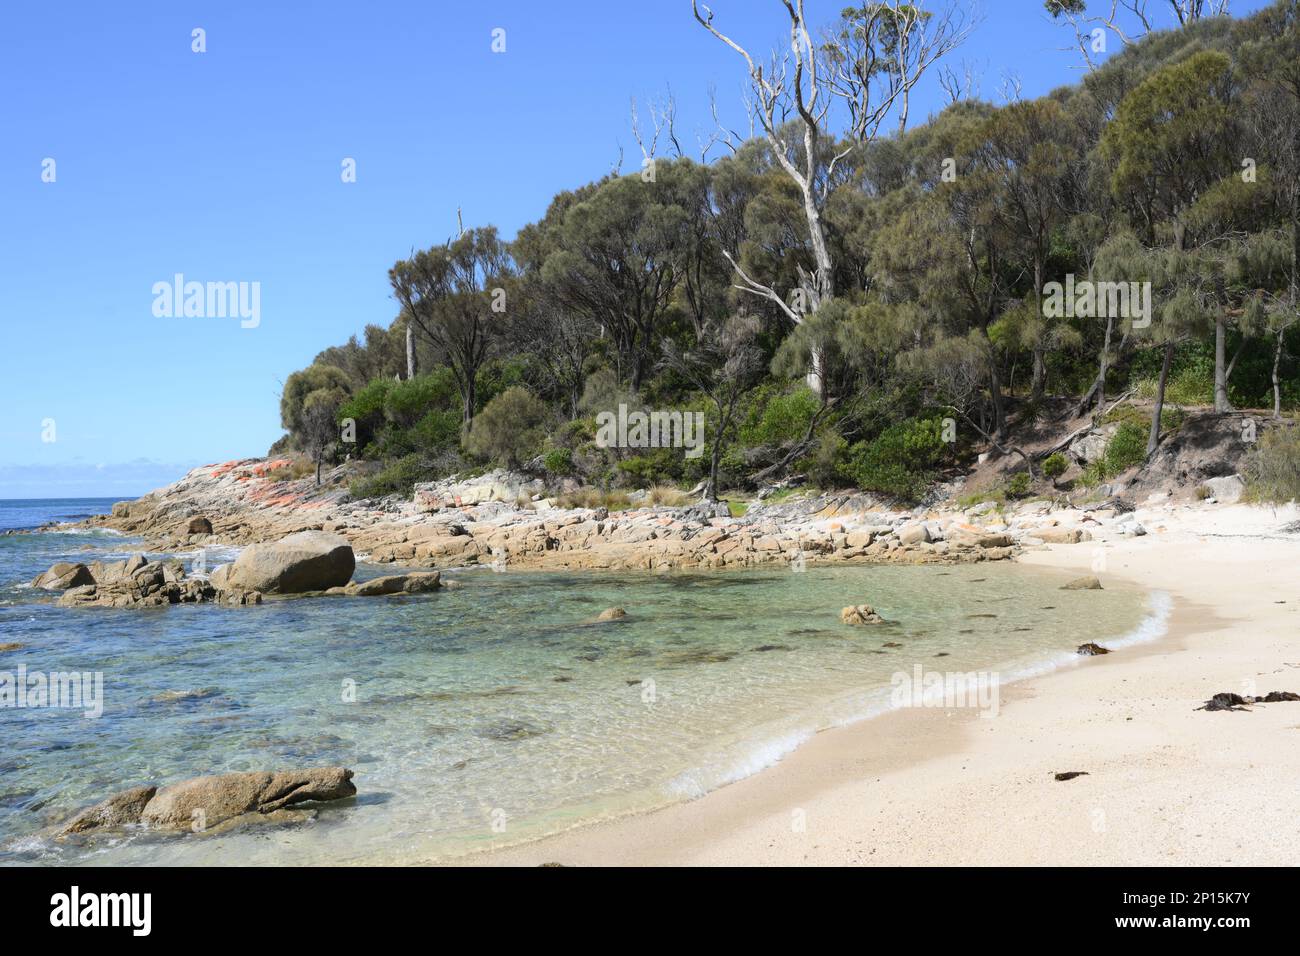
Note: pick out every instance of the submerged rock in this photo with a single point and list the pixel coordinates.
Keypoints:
(1071, 774)
(1092, 649)
(611, 614)
(858, 614)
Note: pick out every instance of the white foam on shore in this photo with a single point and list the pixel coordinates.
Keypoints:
(768, 752)
(697, 782)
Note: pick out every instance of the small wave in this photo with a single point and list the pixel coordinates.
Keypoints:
(697, 782)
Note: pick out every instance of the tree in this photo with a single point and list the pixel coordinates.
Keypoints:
(870, 62)
(1127, 20)
(309, 408)
(451, 294)
(1028, 147)
(1168, 144)
(614, 260)
(724, 363)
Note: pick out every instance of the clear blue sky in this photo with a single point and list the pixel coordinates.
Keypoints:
(225, 166)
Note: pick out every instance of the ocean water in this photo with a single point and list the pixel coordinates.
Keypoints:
(492, 713)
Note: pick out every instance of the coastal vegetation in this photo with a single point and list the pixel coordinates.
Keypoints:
(863, 301)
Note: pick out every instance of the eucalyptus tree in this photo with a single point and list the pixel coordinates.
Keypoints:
(1270, 58)
(615, 259)
(723, 363)
(868, 63)
(1028, 148)
(456, 295)
(1168, 144)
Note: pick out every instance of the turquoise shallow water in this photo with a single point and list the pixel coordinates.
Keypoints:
(497, 711)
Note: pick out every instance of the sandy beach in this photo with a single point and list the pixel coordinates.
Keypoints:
(1166, 784)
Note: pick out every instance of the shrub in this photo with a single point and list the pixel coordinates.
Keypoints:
(901, 460)
(1126, 448)
(397, 478)
(509, 429)
(558, 461)
(656, 466)
(1272, 470)
(594, 498)
(1055, 465)
(668, 496)
(781, 419)
(1019, 484)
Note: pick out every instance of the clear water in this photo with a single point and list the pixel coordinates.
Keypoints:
(491, 713)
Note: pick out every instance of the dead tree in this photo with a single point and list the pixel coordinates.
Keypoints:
(871, 64)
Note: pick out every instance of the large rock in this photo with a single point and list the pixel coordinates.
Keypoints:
(1091, 446)
(63, 576)
(212, 800)
(1227, 489)
(306, 561)
(199, 525)
(914, 534)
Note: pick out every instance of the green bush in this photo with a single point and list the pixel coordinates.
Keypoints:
(1126, 448)
(397, 478)
(1019, 484)
(658, 466)
(509, 429)
(901, 460)
(558, 461)
(1055, 465)
(776, 419)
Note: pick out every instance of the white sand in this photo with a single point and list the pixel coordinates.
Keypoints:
(1167, 784)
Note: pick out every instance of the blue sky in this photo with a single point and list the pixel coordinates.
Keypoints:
(225, 166)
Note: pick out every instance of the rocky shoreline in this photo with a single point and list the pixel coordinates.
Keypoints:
(505, 520)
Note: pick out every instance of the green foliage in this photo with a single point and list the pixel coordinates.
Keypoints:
(1019, 484)
(1126, 448)
(778, 416)
(397, 478)
(509, 430)
(1055, 465)
(901, 460)
(558, 461)
(657, 466)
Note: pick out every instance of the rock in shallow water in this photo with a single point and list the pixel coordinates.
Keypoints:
(207, 802)
(306, 561)
(860, 614)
